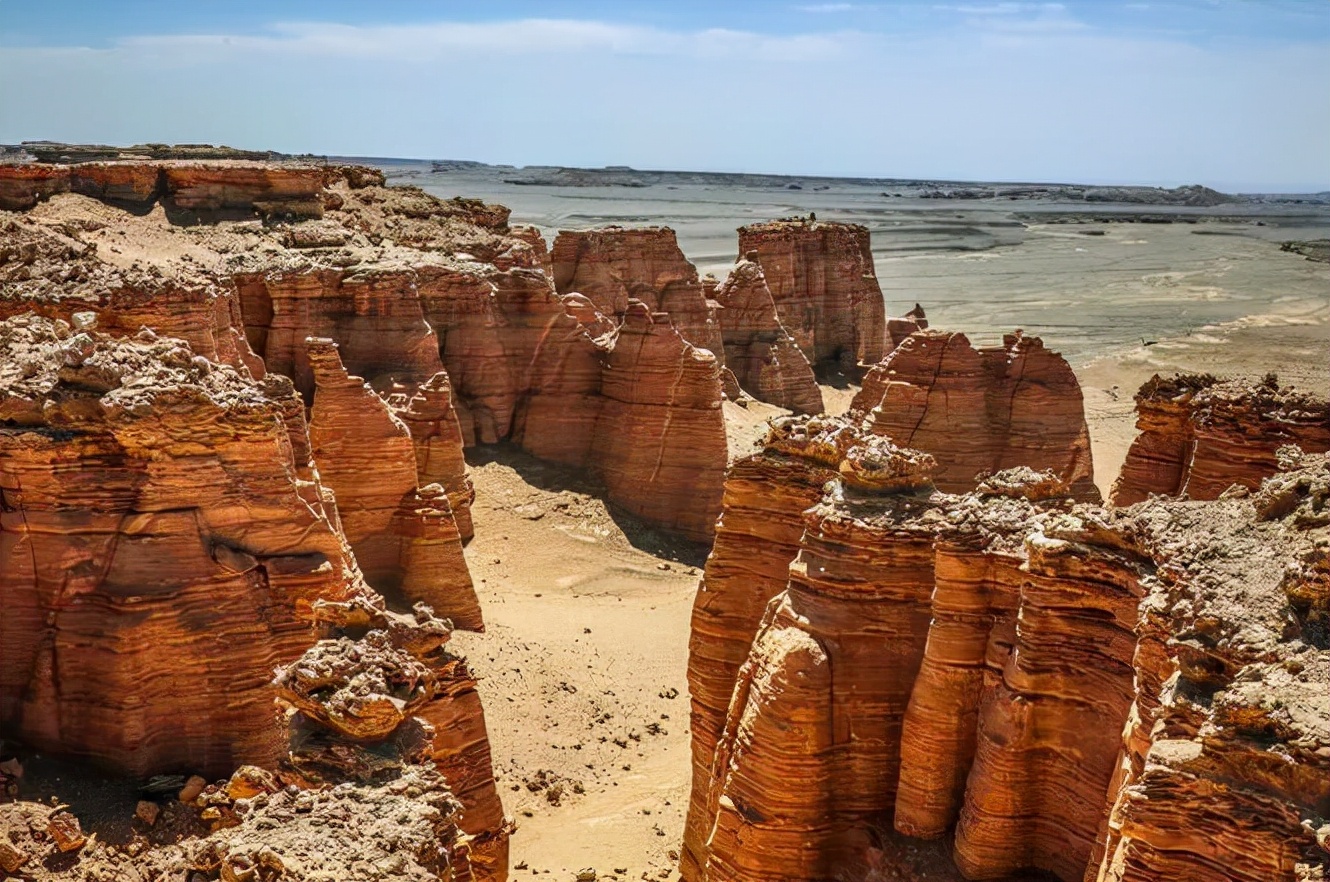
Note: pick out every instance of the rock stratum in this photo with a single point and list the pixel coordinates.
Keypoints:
(167, 540)
(890, 681)
(1199, 435)
(824, 286)
(980, 411)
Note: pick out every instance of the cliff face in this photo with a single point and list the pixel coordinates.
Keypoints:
(152, 499)
(1040, 686)
(822, 279)
(765, 360)
(1198, 435)
(408, 286)
(981, 410)
(405, 536)
(614, 265)
(204, 187)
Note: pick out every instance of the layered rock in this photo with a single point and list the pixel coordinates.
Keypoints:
(824, 285)
(204, 187)
(981, 410)
(757, 537)
(807, 761)
(660, 440)
(152, 500)
(614, 265)
(1198, 435)
(404, 535)
(1107, 696)
(760, 353)
(900, 328)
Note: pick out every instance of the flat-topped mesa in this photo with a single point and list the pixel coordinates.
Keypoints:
(1199, 435)
(159, 549)
(981, 410)
(825, 288)
(806, 766)
(762, 355)
(405, 536)
(200, 187)
(1166, 662)
(613, 265)
(660, 444)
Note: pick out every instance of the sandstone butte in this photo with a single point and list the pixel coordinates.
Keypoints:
(1006, 681)
(822, 280)
(436, 304)
(166, 542)
(979, 411)
(1198, 435)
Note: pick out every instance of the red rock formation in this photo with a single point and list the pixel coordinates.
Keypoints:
(756, 539)
(981, 411)
(1198, 435)
(404, 536)
(807, 762)
(51, 273)
(206, 187)
(758, 350)
(152, 499)
(613, 265)
(660, 441)
(1047, 691)
(436, 434)
(826, 292)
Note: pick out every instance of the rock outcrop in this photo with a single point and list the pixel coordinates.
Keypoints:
(614, 265)
(1042, 685)
(162, 540)
(200, 187)
(822, 279)
(405, 536)
(1199, 435)
(979, 411)
(761, 354)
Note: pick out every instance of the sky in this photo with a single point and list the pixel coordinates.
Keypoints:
(1234, 94)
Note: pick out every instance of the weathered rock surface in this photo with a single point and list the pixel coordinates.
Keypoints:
(614, 265)
(268, 188)
(822, 279)
(760, 353)
(1199, 435)
(1046, 686)
(981, 410)
(405, 536)
(160, 549)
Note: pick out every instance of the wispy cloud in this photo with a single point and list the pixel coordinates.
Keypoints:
(502, 38)
(833, 7)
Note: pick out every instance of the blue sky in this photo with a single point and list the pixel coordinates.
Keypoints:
(1231, 93)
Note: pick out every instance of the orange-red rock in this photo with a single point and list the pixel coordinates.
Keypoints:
(1167, 663)
(981, 410)
(1198, 436)
(613, 265)
(822, 279)
(763, 357)
(404, 535)
(159, 551)
(660, 443)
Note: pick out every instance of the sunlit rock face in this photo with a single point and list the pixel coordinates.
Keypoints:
(824, 286)
(1198, 435)
(979, 411)
(1046, 686)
